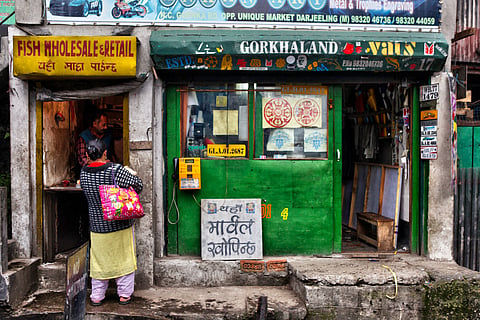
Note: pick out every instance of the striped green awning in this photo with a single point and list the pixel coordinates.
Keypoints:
(298, 50)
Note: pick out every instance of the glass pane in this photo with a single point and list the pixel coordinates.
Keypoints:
(294, 122)
(216, 120)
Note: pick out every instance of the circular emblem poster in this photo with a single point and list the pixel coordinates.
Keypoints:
(277, 112)
(307, 112)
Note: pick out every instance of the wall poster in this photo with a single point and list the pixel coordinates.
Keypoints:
(315, 140)
(395, 14)
(281, 112)
(281, 140)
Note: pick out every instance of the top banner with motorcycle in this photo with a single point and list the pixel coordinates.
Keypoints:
(375, 14)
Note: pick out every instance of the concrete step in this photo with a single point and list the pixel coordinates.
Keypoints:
(18, 281)
(52, 276)
(193, 272)
(238, 302)
(388, 287)
(188, 272)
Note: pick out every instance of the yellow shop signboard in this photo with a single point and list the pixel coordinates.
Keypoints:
(76, 56)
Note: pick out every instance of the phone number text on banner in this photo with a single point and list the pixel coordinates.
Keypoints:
(396, 14)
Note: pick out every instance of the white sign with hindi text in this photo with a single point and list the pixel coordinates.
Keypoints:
(231, 229)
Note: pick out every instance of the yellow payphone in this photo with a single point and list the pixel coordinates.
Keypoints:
(189, 174)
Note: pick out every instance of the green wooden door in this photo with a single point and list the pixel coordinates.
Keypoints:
(301, 198)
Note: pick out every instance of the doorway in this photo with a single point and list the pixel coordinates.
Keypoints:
(65, 224)
(376, 143)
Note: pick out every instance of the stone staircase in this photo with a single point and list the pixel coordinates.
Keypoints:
(189, 288)
(18, 277)
(294, 287)
(229, 289)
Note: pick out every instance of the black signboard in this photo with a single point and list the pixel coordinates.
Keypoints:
(76, 288)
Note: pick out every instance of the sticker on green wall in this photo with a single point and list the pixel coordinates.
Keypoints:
(266, 211)
(284, 213)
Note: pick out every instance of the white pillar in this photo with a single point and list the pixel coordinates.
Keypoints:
(140, 131)
(441, 197)
(22, 186)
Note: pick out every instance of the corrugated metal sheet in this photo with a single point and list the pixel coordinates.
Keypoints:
(467, 218)
(467, 17)
(467, 14)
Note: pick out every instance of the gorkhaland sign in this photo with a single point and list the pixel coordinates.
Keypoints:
(315, 51)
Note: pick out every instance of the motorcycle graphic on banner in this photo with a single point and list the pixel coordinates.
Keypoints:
(99, 10)
(128, 9)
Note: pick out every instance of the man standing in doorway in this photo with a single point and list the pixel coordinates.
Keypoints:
(97, 129)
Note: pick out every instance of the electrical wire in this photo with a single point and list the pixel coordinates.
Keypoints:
(226, 160)
(226, 178)
(176, 207)
(396, 284)
(196, 201)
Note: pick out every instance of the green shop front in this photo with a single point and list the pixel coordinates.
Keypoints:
(313, 123)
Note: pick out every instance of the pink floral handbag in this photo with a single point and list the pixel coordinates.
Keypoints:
(120, 203)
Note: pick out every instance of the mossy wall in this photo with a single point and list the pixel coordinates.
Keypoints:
(452, 300)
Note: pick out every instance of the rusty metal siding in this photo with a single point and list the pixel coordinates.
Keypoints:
(467, 17)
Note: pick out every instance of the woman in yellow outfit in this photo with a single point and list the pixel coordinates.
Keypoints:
(112, 243)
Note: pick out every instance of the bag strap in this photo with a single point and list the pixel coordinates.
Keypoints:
(113, 177)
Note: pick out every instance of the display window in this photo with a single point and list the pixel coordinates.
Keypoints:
(215, 121)
(279, 122)
(294, 123)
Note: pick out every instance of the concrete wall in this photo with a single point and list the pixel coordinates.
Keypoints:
(29, 11)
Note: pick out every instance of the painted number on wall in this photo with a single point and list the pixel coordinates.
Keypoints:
(284, 213)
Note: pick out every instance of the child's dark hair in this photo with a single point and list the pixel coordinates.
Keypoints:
(95, 148)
